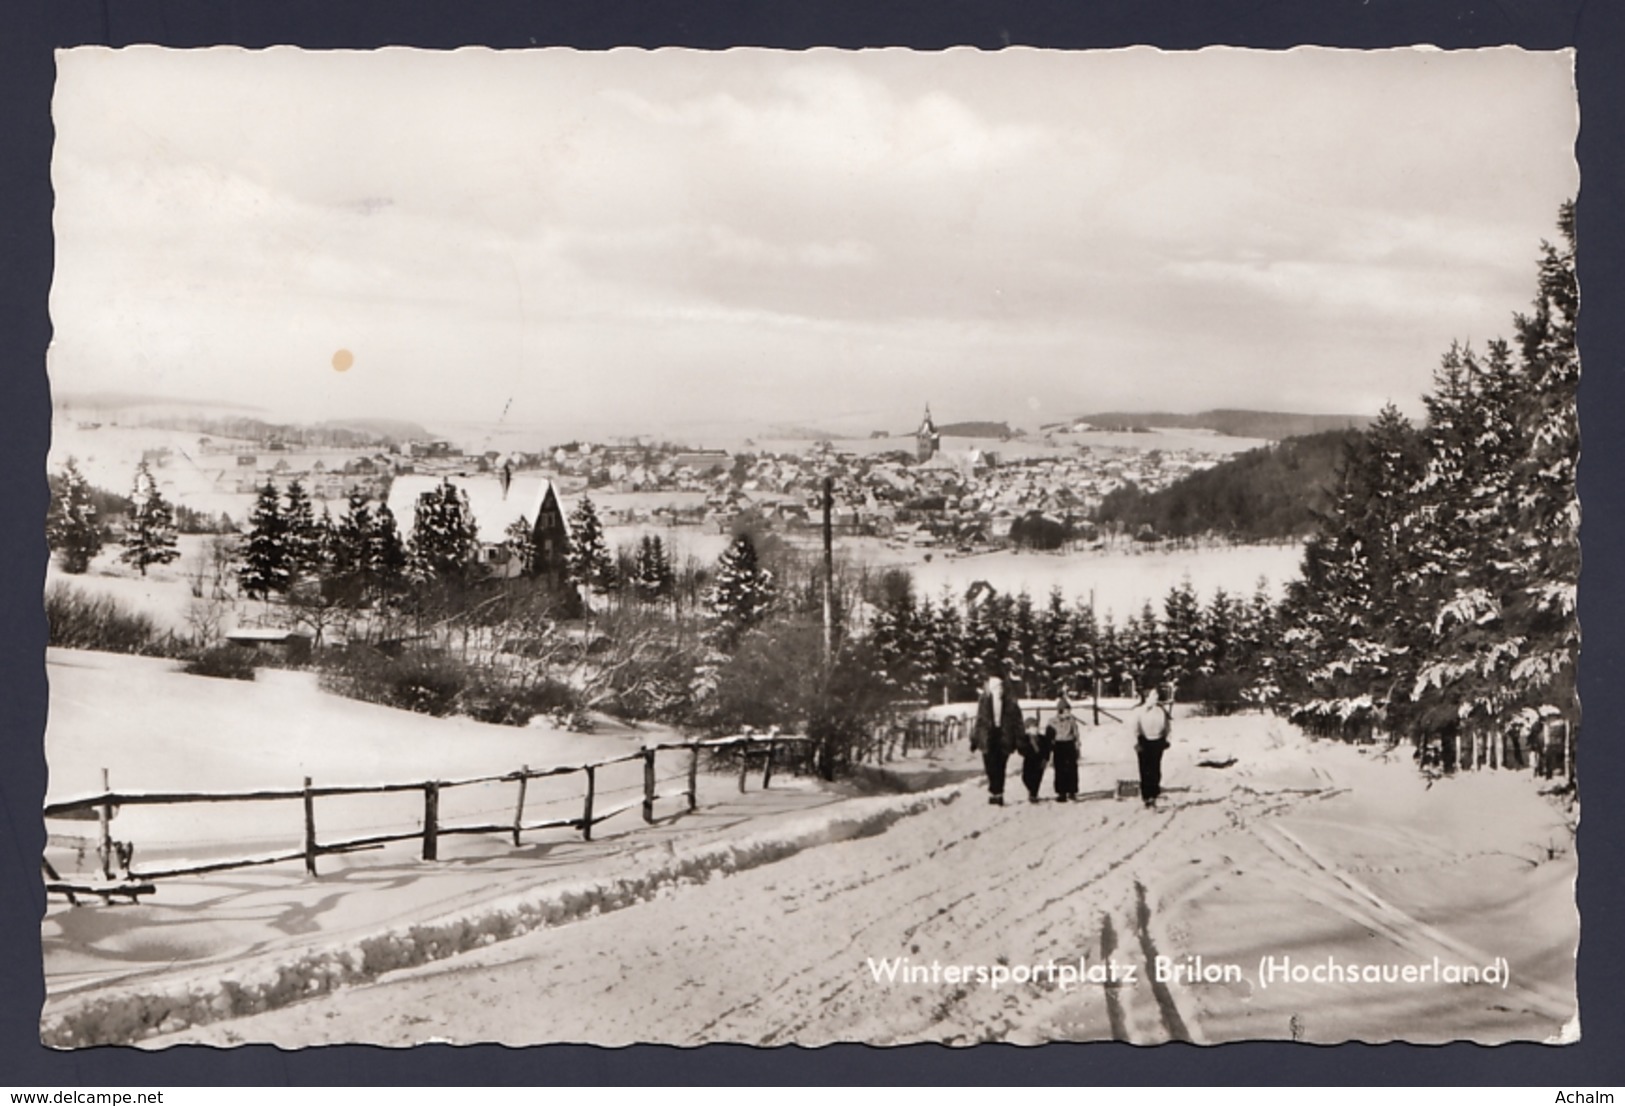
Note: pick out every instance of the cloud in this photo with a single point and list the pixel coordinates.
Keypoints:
(590, 225)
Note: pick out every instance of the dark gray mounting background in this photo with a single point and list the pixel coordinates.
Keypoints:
(33, 28)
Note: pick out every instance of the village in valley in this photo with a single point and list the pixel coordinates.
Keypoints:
(906, 488)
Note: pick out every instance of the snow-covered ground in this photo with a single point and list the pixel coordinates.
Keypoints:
(1121, 579)
(810, 916)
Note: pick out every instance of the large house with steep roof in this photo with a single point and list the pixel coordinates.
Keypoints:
(497, 501)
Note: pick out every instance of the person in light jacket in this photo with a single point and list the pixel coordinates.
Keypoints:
(1063, 741)
(998, 733)
(1153, 722)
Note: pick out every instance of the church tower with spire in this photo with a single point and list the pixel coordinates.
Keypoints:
(927, 439)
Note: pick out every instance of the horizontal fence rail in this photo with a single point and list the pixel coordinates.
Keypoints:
(136, 880)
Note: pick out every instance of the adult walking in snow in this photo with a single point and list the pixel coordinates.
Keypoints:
(1034, 758)
(1062, 735)
(997, 733)
(1153, 722)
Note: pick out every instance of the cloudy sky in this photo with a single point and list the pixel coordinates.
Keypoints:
(644, 240)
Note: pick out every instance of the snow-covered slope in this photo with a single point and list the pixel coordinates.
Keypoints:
(961, 922)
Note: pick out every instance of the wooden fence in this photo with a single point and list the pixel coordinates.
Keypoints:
(133, 881)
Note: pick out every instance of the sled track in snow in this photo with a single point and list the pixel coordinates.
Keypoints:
(1337, 890)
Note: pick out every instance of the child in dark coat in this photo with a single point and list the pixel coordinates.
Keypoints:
(1034, 758)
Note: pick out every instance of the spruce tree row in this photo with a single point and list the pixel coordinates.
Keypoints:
(1437, 600)
(356, 559)
(1221, 652)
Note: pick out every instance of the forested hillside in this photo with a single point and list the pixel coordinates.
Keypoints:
(1259, 495)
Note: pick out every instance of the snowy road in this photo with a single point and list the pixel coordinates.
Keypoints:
(804, 950)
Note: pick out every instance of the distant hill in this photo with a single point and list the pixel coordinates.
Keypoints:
(397, 430)
(999, 430)
(793, 432)
(1263, 494)
(1270, 425)
(115, 401)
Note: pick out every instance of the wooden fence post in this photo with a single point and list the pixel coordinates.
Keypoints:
(431, 821)
(693, 777)
(744, 763)
(310, 830)
(767, 773)
(648, 785)
(104, 815)
(519, 811)
(586, 813)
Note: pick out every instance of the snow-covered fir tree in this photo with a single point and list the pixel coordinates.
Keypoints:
(1260, 643)
(742, 592)
(302, 533)
(588, 560)
(1348, 612)
(265, 568)
(348, 549)
(149, 539)
(1114, 661)
(1057, 647)
(951, 673)
(1501, 642)
(1026, 667)
(1183, 645)
(897, 643)
(652, 576)
(71, 528)
(1087, 662)
(387, 559)
(444, 540)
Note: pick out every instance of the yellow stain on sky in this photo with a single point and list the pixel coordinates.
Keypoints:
(342, 360)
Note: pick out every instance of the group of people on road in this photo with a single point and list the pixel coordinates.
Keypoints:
(1001, 731)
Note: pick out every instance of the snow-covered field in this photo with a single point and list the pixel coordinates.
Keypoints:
(811, 916)
(1121, 579)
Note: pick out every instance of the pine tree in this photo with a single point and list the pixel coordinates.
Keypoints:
(150, 537)
(951, 676)
(1087, 663)
(742, 592)
(1351, 613)
(1260, 641)
(349, 549)
(1114, 663)
(444, 541)
(588, 559)
(1146, 648)
(1026, 668)
(653, 577)
(895, 642)
(265, 559)
(71, 527)
(1502, 640)
(1057, 646)
(1183, 645)
(387, 559)
(303, 534)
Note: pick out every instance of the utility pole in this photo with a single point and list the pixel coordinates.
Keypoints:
(1095, 648)
(829, 571)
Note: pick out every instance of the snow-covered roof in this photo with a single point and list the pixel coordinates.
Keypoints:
(494, 508)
